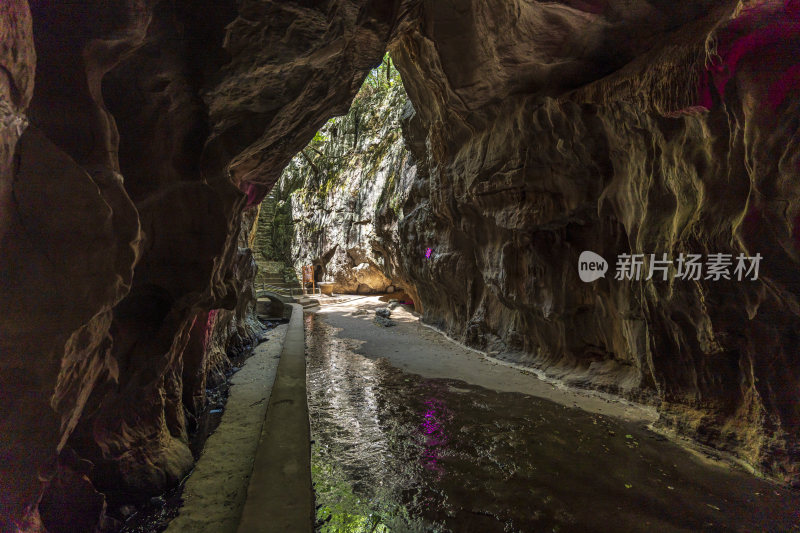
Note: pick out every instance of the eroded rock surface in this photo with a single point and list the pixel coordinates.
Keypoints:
(691, 147)
(347, 185)
(538, 133)
(124, 272)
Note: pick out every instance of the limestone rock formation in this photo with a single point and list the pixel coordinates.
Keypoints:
(122, 216)
(556, 135)
(355, 172)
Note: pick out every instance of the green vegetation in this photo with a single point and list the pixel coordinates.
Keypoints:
(340, 509)
(279, 245)
(352, 165)
(360, 142)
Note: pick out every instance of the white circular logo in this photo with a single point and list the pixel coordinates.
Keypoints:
(591, 266)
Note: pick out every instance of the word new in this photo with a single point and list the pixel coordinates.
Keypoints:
(591, 266)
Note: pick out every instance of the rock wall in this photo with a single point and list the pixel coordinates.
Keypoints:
(591, 126)
(535, 143)
(133, 137)
(354, 173)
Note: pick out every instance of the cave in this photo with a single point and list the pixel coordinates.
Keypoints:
(598, 197)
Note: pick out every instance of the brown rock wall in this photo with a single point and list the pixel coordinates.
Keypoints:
(690, 148)
(122, 218)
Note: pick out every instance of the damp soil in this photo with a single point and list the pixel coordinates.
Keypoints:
(395, 451)
(154, 515)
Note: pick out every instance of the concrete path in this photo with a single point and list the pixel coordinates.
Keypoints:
(280, 497)
(215, 493)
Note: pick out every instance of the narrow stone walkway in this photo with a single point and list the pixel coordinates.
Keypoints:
(215, 493)
(280, 497)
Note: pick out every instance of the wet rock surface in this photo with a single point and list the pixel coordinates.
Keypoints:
(690, 148)
(125, 273)
(516, 169)
(155, 514)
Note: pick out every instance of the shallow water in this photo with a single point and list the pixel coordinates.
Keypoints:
(397, 452)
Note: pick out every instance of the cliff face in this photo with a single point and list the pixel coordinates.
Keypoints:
(348, 184)
(136, 136)
(534, 144)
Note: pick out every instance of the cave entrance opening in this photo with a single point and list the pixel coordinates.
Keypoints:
(338, 202)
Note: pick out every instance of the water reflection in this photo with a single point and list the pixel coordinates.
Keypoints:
(363, 473)
(397, 452)
(436, 438)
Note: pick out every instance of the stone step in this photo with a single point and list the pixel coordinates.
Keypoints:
(307, 302)
(277, 279)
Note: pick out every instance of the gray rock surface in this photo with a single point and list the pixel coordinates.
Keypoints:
(385, 322)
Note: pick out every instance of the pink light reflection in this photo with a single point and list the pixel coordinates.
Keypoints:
(758, 29)
(436, 439)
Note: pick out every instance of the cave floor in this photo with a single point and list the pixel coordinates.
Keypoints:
(412, 432)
